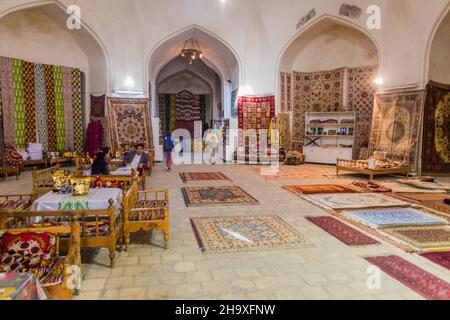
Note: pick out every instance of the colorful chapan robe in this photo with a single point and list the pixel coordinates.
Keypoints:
(41, 103)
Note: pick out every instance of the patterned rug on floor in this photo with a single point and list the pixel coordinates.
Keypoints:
(342, 232)
(394, 217)
(440, 258)
(231, 234)
(423, 238)
(422, 282)
(354, 201)
(320, 189)
(217, 196)
(433, 201)
(302, 173)
(203, 176)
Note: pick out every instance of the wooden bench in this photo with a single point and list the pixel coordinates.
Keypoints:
(42, 180)
(7, 169)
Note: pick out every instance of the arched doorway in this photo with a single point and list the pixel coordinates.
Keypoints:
(329, 66)
(213, 78)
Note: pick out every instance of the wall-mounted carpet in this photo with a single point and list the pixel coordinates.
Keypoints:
(130, 123)
(436, 133)
(283, 91)
(315, 92)
(39, 105)
(396, 125)
(361, 91)
(187, 111)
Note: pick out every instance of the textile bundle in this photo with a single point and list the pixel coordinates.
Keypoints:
(255, 113)
(37, 105)
(436, 134)
(130, 123)
(396, 125)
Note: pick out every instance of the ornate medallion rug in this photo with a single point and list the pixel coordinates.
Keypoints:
(429, 238)
(354, 201)
(319, 189)
(231, 234)
(394, 217)
(217, 196)
(203, 176)
(440, 258)
(424, 283)
(342, 232)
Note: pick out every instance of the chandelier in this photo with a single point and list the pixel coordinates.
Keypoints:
(192, 50)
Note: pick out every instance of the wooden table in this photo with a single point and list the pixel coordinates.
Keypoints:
(59, 161)
(35, 163)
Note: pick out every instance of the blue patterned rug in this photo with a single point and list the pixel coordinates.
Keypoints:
(394, 217)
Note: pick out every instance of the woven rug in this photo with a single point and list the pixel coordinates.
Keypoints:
(255, 113)
(130, 123)
(319, 189)
(203, 176)
(342, 232)
(394, 217)
(231, 234)
(424, 283)
(424, 197)
(59, 110)
(430, 238)
(29, 90)
(77, 105)
(396, 125)
(440, 258)
(436, 133)
(354, 201)
(68, 109)
(19, 104)
(217, 196)
(6, 81)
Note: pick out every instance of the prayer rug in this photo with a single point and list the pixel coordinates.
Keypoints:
(6, 81)
(436, 131)
(430, 238)
(19, 104)
(203, 176)
(68, 111)
(59, 110)
(440, 258)
(424, 283)
(255, 113)
(354, 201)
(130, 123)
(318, 189)
(51, 107)
(315, 92)
(30, 103)
(98, 105)
(232, 234)
(78, 127)
(41, 106)
(342, 232)
(361, 91)
(217, 196)
(396, 125)
(394, 217)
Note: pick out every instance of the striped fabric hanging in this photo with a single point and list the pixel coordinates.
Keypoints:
(59, 110)
(30, 102)
(41, 106)
(6, 81)
(77, 111)
(19, 103)
(172, 112)
(68, 110)
(51, 107)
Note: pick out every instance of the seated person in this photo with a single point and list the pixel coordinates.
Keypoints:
(100, 166)
(138, 159)
(106, 153)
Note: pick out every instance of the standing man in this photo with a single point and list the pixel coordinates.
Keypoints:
(168, 149)
(138, 159)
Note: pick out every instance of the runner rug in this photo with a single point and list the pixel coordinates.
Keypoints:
(203, 176)
(432, 238)
(440, 258)
(415, 278)
(231, 234)
(342, 232)
(217, 196)
(318, 189)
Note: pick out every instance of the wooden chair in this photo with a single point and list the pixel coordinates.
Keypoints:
(6, 169)
(82, 164)
(145, 210)
(125, 181)
(42, 180)
(60, 290)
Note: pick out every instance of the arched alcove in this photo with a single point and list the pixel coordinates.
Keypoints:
(439, 51)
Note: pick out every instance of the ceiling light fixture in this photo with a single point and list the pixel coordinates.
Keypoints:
(192, 50)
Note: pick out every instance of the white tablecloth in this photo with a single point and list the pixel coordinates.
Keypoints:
(97, 199)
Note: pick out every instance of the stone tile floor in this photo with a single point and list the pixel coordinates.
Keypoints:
(330, 270)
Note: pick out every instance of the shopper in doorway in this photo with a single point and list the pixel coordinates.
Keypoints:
(168, 149)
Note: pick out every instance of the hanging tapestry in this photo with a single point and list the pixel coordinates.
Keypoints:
(19, 103)
(30, 101)
(98, 106)
(361, 91)
(209, 115)
(130, 123)
(59, 110)
(51, 108)
(202, 99)
(172, 112)
(68, 111)
(255, 113)
(283, 90)
(289, 92)
(162, 117)
(77, 111)
(41, 106)
(436, 134)
(188, 111)
(315, 92)
(234, 108)
(396, 125)
(2, 137)
(6, 81)
(285, 133)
